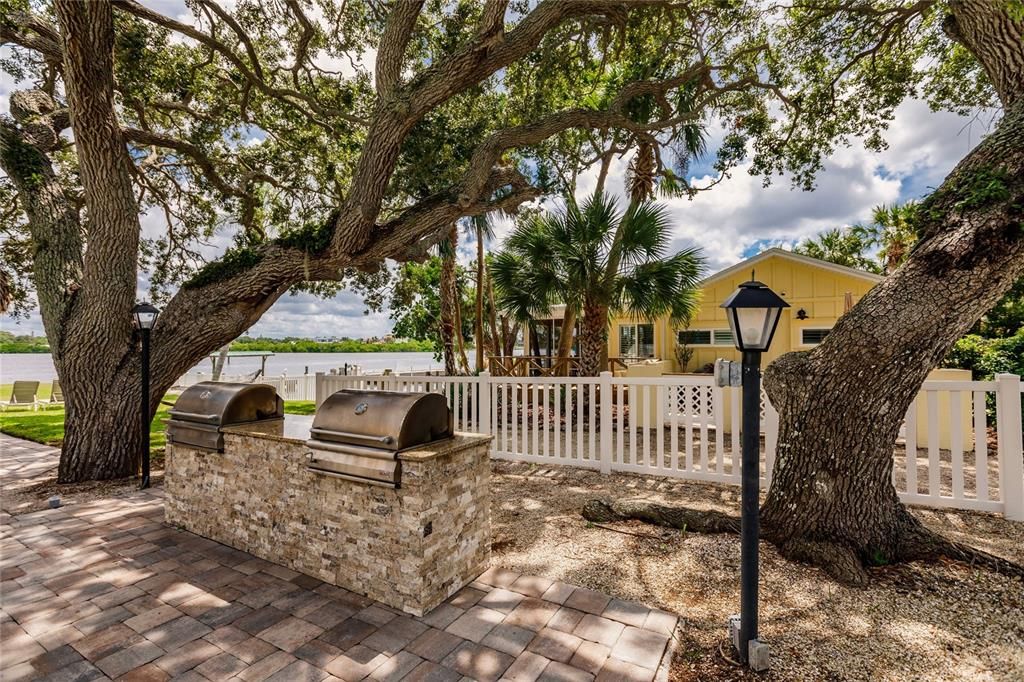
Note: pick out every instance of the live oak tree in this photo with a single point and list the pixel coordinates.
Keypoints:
(322, 139)
(841, 405)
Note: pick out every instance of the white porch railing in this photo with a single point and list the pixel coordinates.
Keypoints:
(682, 426)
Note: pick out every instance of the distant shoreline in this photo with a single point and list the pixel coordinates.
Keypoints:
(279, 347)
(345, 346)
(11, 348)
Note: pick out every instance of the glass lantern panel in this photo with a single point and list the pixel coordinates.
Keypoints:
(145, 320)
(756, 326)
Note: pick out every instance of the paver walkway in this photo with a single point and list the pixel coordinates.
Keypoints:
(106, 589)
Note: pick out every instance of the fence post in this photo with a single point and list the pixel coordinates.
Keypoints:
(483, 424)
(1011, 466)
(604, 397)
(318, 393)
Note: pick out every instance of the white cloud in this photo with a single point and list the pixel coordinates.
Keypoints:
(738, 213)
(307, 315)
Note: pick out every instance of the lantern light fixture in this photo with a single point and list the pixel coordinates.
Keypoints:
(753, 313)
(144, 315)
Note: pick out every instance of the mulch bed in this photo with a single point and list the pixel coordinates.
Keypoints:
(937, 621)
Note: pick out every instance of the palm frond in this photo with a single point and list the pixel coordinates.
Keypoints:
(645, 233)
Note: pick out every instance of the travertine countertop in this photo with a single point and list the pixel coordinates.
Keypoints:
(295, 429)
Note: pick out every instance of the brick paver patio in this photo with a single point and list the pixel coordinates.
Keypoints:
(105, 589)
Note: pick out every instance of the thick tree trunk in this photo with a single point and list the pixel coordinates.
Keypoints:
(101, 428)
(593, 337)
(841, 405)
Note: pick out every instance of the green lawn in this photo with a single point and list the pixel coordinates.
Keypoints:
(299, 407)
(47, 426)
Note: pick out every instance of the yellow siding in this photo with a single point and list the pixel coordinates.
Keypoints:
(819, 291)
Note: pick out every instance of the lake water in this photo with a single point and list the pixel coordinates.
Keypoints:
(39, 366)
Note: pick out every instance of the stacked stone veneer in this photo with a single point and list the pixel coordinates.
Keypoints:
(410, 548)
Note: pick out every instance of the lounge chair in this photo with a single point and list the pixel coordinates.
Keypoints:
(56, 394)
(24, 393)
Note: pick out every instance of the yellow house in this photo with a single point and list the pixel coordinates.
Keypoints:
(817, 291)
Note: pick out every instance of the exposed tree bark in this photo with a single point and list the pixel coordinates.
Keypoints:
(478, 327)
(97, 353)
(698, 521)
(492, 315)
(832, 501)
(843, 565)
(219, 361)
(593, 339)
(449, 301)
(565, 335)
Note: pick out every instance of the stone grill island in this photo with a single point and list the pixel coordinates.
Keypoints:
(410, 547)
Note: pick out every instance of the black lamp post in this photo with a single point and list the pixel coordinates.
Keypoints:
(753, 311)
(144, 317)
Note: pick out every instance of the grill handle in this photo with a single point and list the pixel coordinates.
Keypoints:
(193, 417)
(382, 440)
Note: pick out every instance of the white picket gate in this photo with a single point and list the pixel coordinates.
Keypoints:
(682, 426)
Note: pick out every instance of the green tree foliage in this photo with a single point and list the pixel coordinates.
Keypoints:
(986, 357)
(849, 246)
(9, 343)
(414, 303)
(302, 345)
(1007, 316)
(893, 229)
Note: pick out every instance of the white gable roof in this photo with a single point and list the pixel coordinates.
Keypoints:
(799, 258)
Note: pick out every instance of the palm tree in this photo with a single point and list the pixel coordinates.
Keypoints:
(847, 246)
(598, 261)
(893, 230)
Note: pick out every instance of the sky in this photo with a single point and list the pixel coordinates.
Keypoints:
(735, 220)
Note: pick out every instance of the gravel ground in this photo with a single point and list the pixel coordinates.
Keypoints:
(935, 622)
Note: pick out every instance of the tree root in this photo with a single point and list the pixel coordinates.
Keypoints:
(842, 562)
(603, 511)
(925, 545)
(838, 561)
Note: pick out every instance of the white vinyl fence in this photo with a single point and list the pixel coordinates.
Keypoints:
(298, 387)
(682, 426)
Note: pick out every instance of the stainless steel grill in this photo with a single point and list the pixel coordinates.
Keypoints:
(204, 409)
(358, 435)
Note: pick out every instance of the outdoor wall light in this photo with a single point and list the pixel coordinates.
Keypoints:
(144, 317)
(753, 311)
(801, 314)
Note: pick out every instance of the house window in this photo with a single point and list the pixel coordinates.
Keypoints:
(705, 337)
(636, 340)
(723, 337)
(695, 337)
(812, 337)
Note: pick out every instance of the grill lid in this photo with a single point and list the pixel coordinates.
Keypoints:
(384, 420)
(221, 404)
